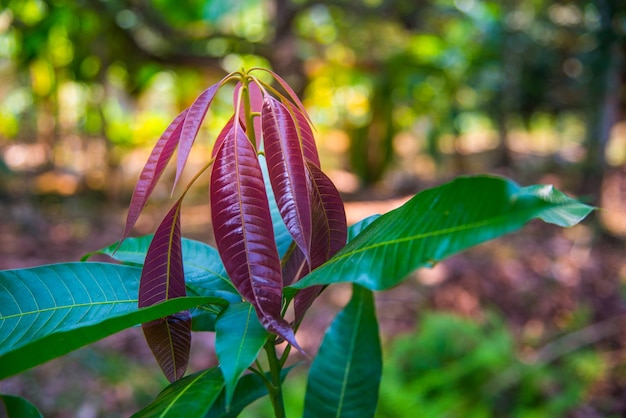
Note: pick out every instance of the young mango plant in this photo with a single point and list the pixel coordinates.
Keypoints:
(281, 235)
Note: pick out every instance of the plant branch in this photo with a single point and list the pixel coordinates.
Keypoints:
(274, 387)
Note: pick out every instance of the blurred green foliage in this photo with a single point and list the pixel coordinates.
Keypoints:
(432, 73)
(456, 367)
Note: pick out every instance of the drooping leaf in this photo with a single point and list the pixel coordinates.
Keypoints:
(191, 126)
(204, 272)
(15, 406)
(292, 94)
(345, 375)
(190, 397)
(305, 134)
(163, 278)
(238, 339)
(440, 222)
(48, 311)
(222, 135)
(243, 231)
(249, 388)
(330, 232)
(329, 217)
(287, 171)
(151, 173)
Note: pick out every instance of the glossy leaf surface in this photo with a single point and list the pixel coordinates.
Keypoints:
(345, 376)
(163, 278)
(249, 388)
(152, 171)
(287, 171)
(305, 134)
(191, 126)
(189, 397)
(204, 272)
(239, 338)
(440, 222)
(48, 311)
(330, 231)
(243, 230)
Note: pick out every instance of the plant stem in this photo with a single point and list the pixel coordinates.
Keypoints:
(275, 389)
(249, 115)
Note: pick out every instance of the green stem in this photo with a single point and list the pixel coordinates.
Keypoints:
(247, 108)
(275, 389)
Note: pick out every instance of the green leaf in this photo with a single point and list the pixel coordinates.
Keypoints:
(14, 406)
(438, 223)
(204, 272)
(189, 397)
(48, 311)
(249, 388)
(238, 339)
(345, 376)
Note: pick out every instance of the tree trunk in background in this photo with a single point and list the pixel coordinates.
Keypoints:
(603, 99)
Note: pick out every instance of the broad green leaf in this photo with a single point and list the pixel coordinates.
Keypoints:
(163, 278)
(249, 388)
(14, 406)
(204, 272)
(440, 222)
(48, 311)
(189, 397)
(357, 228)
(238, 339)
(345, 376)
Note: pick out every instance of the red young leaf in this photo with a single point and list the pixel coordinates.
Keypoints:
(197, 112)
(222, 135)
(256, 103)
(330, 232)
(287, 171)
(162, 278)
(329, 217)
(151, 173)
(305, 133)
(169, 340)
(295, 266)
(243, 230)
(292, 94)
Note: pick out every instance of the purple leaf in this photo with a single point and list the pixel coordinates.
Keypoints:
(295, 266)
(169, 340)
(151, 173)
(287, 171)
(330, 232)
(197, 112)
(292, 94)
(222, 135)
(305, 133)
(243, 230)
(162, 278)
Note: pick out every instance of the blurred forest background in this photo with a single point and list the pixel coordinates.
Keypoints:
(405, 94)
